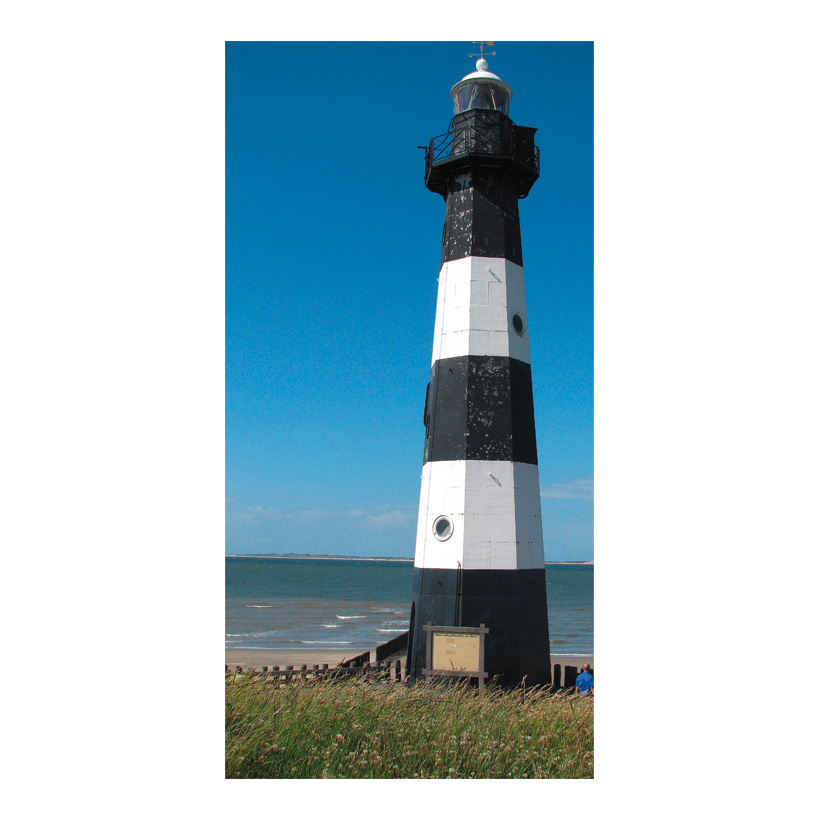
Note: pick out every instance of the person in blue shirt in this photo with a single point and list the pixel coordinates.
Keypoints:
(585, 683)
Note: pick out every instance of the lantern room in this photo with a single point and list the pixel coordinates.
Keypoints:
(481, 89)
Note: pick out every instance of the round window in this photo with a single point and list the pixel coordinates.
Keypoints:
(518, 324)
(442, 528)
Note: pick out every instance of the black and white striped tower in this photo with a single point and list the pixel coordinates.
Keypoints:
(479, 544)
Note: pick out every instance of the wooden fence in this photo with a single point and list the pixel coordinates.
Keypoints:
(388, 670)
(394, 645)
(357, 660)
(563, 677)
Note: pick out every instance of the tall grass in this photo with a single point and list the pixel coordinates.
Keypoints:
(364, 728)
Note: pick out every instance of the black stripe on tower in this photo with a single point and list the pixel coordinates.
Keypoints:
(481, 216)
(480, 408)
(512, 604)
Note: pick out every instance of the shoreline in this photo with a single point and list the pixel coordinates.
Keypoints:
(311, 557)
(287, 657)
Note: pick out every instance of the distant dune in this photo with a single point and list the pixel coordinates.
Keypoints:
(566, 563)
(311, 556)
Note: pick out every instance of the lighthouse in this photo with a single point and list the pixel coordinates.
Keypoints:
(479, 559)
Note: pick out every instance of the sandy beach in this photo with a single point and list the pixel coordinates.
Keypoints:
(257, 658)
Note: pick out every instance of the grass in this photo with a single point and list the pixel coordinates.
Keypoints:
(364, 728)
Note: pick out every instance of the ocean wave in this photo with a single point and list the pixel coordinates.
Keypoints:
(350, 617)
(390, 630)
(331, 626)
(326, 642)
(258, 606)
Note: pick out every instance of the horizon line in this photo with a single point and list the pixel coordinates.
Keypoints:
(361, 557)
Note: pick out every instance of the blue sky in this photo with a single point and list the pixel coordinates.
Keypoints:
(332, 257)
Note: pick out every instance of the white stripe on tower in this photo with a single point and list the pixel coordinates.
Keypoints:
(495, 507)
(477, 299)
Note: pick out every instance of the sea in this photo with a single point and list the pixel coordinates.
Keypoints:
(356, 604)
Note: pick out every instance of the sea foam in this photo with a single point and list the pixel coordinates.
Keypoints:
(327, 642)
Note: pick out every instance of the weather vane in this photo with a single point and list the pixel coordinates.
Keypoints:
(481, 55)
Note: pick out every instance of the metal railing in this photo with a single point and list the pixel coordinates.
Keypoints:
(477, 139)
(469, 139)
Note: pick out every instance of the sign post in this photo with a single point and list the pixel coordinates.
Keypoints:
(455, 651)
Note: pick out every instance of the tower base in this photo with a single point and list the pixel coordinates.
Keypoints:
(512, 604)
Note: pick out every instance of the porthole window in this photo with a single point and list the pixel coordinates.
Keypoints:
(518, 324)
(442, 528)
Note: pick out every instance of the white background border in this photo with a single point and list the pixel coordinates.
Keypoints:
(706, 400)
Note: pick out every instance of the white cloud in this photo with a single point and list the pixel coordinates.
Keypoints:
(381, 516)
(393, 517)
(583, 488)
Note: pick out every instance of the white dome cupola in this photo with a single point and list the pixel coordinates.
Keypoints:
(481, 89)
